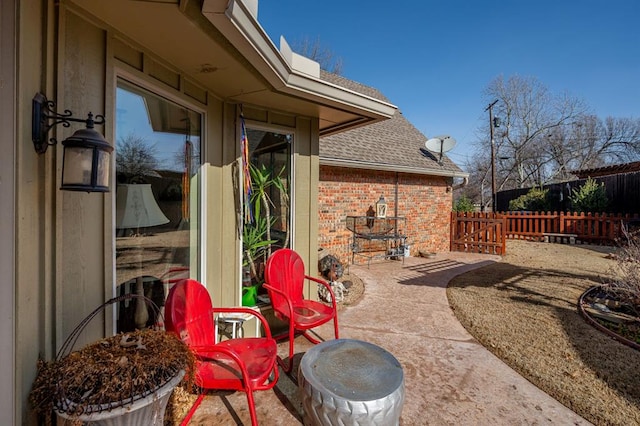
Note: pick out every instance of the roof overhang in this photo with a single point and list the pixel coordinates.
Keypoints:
(353, 164)
(238, 24)
(220, 45)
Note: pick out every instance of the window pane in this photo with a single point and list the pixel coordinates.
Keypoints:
(157, 196)
(270, 159)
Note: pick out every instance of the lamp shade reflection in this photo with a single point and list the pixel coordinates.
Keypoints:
(136, 207)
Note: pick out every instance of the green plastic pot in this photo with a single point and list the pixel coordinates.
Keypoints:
(250, 295)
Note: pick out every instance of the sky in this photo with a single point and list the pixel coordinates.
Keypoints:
(132, 119)
(434, 59)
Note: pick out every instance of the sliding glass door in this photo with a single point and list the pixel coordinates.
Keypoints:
(158, 147)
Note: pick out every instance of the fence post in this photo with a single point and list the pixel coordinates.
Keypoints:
(452, 230)
(503, 235)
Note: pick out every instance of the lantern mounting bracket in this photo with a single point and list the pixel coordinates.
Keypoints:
(43, 111)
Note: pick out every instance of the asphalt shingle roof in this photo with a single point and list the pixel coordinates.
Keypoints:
(392, 143)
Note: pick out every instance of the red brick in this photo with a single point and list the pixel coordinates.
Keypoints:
(423, 200)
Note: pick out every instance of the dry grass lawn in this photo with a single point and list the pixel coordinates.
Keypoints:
(524, 310)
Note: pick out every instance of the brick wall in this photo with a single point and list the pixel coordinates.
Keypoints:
(423, 200)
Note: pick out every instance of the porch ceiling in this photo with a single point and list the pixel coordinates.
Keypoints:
(226, 51)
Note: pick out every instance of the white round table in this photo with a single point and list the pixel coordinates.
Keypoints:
(347, 381)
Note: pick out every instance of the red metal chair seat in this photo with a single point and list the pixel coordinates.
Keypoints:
(217, 369)
(310, 314)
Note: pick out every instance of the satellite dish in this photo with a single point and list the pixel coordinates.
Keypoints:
(440, 144)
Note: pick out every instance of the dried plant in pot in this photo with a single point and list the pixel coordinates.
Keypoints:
(614, 307)
(122, 379)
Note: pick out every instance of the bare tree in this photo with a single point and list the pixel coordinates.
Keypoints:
(479, 187)
(590, 142)
(314, 50)
(619, 139)
(135, 157)
(529, 113)
(543, 138)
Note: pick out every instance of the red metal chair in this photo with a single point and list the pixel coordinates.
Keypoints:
(284, 281)
(245, 364)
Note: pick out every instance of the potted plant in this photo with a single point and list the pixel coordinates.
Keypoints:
(255, 246)
(614, 307)
(124, 379)
(262, 179)
(256, 235)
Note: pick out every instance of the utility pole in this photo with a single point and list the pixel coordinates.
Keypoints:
(493, 156)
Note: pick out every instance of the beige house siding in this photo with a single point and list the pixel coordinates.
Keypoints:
(34, 214)
(425, 201)
(8, 90)
(83, 221)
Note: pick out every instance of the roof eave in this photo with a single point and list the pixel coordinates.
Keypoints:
(237, 23)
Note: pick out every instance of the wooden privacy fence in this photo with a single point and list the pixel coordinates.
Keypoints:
(487, 232)
(590, 228)
(478, 233)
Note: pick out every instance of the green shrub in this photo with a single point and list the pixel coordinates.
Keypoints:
(591, 196)
(463, 204)
(534, 200)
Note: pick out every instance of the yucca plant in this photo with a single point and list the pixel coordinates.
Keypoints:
(255, 244)
(262, 179)
(257, 240)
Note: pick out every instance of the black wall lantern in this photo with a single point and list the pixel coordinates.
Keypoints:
(86, 155)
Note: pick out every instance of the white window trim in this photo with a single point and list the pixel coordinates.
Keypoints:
(257, 125)
(183, 101)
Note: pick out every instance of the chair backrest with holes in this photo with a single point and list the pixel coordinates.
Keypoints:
(188, 313)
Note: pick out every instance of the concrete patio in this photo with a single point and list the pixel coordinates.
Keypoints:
(450, 379)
